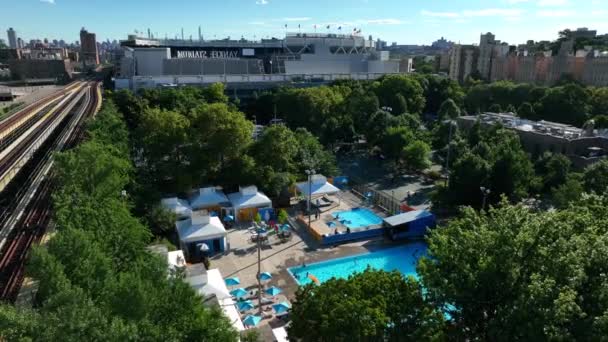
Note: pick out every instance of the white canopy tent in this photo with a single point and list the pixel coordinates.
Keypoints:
(248, 197)
(319, 186)
(211, 283)
(200, 228)
(178, 206)
(208, 197)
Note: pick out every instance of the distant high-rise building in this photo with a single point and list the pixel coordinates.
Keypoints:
(12, 38)
(88, 47)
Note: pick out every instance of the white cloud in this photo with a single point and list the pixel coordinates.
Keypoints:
(52, 2)
(487, 12)
(552, 3)
(290, 19)
(493, 12)
(261, 2)
(388, 21)
(439, 14)
(555, 13)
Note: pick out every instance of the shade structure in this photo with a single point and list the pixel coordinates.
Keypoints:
(252, 320)
(265, 276)
(232, 281)
(281, 307)
(246, 305)
(240, 292)
(273, 291)
(228, 218)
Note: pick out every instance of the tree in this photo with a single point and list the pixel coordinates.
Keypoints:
(161, 220)
(378, 125)
(449, 110)
(566, 104)
(512, 274)
(526, 111)
(568, 192)
(595, 177)
(162, 136)
(282, 217)
(554, 169)
(495, 108)
(599, 101)
(394, 142)
(416, 155)
(219, 133)
(373, 305)
(312, 155)
(390, 86)
(277, 148)
(438, 89)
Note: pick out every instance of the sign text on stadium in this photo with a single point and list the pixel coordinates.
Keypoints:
(204, 54)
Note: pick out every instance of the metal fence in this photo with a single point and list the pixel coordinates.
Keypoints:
(371, 197)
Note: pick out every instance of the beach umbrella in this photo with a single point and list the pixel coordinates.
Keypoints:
(232, 281)
(240, 292)
(267, 216)
(229, 218)
(265, 276)
(252, 320)
(203, 247)
(273, 291)
(281, 307)
(246, 305)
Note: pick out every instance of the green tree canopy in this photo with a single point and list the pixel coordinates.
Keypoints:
(449, 110)
(373, 305)
(512, 274)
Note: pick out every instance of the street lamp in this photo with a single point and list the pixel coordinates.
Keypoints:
(485, 191)
(309, 173)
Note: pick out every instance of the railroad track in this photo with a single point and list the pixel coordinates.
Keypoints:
(28, 224)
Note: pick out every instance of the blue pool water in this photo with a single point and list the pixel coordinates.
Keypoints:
(358, 218)
(402, 259)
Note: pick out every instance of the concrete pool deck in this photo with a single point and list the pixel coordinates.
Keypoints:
(277, 256)
(346, 202)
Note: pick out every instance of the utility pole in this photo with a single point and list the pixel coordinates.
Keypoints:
(259, 272)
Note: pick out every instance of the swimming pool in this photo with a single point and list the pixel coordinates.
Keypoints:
(402, 259)
(358, 218)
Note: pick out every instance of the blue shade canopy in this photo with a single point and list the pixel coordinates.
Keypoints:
(273, 291)
(232, 281)
(228, 218)
(281, 307)
(265, 276)
(246, 305)
(252, 320)
(240, 292)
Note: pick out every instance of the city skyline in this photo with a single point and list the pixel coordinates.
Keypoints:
(416, 22)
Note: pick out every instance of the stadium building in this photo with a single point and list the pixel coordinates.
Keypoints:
(302, 58)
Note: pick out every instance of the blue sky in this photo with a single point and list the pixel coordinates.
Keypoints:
(403, 21)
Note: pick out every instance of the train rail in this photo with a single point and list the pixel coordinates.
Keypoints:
(31, 213)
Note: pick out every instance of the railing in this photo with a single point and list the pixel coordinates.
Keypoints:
(371, 196)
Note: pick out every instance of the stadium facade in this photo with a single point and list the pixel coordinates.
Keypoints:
(298, 58)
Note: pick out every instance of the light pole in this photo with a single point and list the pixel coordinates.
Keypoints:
(309, 173)
(485, 191)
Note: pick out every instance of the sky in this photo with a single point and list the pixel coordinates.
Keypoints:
(401, 21)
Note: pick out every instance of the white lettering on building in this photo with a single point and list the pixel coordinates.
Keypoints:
(203, 54)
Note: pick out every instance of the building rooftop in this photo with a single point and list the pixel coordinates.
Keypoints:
(540, 127)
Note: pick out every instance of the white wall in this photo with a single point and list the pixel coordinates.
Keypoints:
(150, 61)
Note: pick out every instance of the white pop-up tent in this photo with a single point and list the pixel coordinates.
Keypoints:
(209, 198)
(211, 284)
(318, 186)
(246, 202)
(178, 206)
(201, 229)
